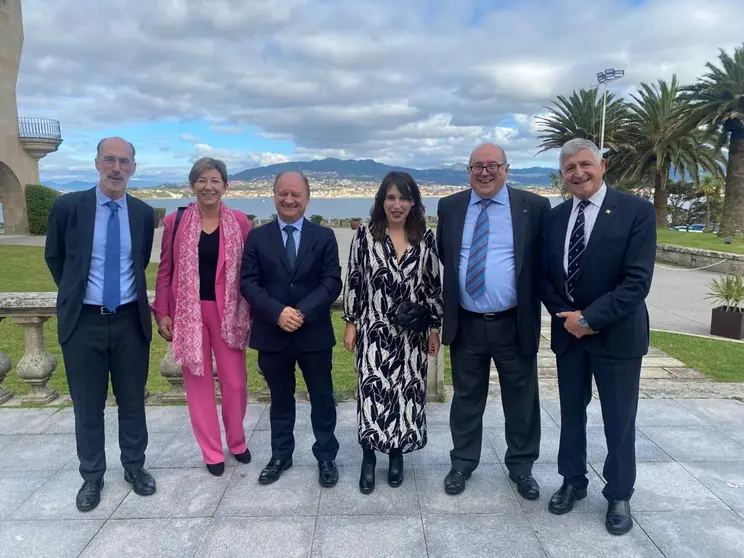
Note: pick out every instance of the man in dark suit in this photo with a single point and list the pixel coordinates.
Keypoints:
(489, 238)
(599, 251)
(290, 277)
(97, 249)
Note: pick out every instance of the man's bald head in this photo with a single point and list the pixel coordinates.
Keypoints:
(487, 170)
(489, 150)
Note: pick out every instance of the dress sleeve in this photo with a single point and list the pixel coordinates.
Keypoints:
(432, 281)
(354, 284)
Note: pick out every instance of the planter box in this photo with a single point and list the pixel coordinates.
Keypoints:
(727, 323)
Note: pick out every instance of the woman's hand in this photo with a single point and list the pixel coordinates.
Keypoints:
(350, 334)
(165, 328)
(434, 343)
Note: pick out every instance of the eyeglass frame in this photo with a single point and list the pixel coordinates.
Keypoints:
(498, 168)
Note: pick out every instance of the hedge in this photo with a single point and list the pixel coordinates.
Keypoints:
(39, 201)
(159, 216)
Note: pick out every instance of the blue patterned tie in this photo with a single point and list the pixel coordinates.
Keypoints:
(112, 262)
(475, 277)
(291, 250)
(576, 248)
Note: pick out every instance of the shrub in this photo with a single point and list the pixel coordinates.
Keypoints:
(39, 202)
(317, 219)
(159, 216)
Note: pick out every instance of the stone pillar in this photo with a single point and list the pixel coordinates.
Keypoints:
(173, 375)
(36, 365)
(5, 366)
(435, 377)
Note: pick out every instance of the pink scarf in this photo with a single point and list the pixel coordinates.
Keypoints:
(187, 322)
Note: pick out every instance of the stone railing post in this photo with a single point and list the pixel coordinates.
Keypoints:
(172, 374)
(5, 366)
(435, 377)
(36, 365)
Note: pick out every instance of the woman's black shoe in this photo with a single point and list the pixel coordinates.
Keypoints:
(395, 469)
(216, 468)
(367, 476)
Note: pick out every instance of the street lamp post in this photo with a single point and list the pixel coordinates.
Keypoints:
(603, 78)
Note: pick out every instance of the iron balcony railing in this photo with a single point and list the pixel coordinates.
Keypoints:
(39, 128)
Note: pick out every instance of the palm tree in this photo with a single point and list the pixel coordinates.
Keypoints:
(710, 187)
(580, 116)
(717, 102)
(659, 142)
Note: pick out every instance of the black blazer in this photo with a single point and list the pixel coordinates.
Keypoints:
(69, 245)
(613, 280)
(269, 286)
(529, 212)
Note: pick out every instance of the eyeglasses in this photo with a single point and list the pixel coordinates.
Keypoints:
(492, 168)
(110, 161)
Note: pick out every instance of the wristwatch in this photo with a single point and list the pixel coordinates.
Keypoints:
(583, 322)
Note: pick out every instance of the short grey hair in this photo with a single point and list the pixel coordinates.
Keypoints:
(572, 147)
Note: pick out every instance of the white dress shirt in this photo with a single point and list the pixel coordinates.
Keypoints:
(590, 217)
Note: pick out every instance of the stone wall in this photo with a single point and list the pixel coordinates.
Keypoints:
(696, 258)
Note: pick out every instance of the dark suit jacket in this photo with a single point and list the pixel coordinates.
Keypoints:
(613, 280)
(268, 284)
(529, 212)
(68, 250)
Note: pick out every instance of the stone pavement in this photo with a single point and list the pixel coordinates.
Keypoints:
(689, 498)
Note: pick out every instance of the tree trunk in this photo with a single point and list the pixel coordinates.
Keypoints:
(660, 201)
(732, 222)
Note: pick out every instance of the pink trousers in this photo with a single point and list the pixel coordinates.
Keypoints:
(232, 375)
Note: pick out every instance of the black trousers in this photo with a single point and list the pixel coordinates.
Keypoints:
(618, 382)
(478, 342)
(99, 345)
(278, 369)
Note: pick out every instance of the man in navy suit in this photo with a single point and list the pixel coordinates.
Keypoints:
(290, 276)
(97, 249)
(598, 261)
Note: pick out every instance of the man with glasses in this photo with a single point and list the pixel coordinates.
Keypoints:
(97, 249)
(489, 240)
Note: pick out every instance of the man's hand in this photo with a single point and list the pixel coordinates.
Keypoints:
(572, 324)
(290, 319)
(350, 334)
(165, 328)
(434, 343)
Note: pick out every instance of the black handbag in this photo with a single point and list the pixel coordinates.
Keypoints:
(413, 316)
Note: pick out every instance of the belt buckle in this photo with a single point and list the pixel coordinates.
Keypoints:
(490, 316)
(106, 312)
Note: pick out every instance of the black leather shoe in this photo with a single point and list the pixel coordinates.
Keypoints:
(327, 473)
(142, 481)
(618, 520)
(89, 495)
(274, 470)
(216, 468)
(454, 482)
(244, 457)
(395, 470)
(527, 486)
(563, 500)
(367, 478)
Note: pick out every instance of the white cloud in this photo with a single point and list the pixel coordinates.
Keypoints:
(188, 138)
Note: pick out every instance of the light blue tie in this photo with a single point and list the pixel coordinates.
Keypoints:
(112, 262)
(475, 277)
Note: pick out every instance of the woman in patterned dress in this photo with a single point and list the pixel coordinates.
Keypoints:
(393, 259)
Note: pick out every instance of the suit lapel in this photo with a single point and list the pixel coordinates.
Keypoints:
(460, 206)
(520, 216)
(602, 223)
(561, 230)
(87, 224)
(278, 240)
(307, 237)
(136, 226)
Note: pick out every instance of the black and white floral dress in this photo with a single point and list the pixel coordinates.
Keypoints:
(392, 362)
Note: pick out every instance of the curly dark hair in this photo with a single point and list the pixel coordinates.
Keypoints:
(415, 222)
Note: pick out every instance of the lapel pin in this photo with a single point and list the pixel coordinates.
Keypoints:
(524, 211)
(608, 211)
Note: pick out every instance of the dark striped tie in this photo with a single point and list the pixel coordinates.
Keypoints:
(475, 277)
(576, 247)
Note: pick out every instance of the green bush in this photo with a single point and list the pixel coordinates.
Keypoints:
(317, 219)
(39, 201)
(159, 216)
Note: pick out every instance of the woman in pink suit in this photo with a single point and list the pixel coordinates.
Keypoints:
(199, 308)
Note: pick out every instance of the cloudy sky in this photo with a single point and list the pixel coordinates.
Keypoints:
(415, 82)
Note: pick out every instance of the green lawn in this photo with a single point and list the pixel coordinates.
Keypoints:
(704, 241)
(718, 359)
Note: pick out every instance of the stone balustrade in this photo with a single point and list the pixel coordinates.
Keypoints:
(31, 310)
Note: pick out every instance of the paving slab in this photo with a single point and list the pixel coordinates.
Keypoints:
(717, 413)
(369, 536)
(724, 479)
(239, 537)
(46, 539)
(17, 486)
(694, 443)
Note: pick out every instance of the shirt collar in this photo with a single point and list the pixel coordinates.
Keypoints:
(297, 224)
(502, 197)
(103, 199)
(596, 199)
